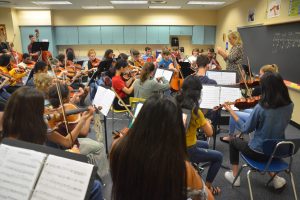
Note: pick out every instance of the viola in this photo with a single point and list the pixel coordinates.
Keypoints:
(242, 103)
(250, 83)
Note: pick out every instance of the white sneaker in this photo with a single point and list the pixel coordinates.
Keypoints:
(278, 182)
(229, 177)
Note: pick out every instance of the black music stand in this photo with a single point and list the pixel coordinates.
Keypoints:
(40, 46)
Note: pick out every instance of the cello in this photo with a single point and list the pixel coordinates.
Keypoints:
(177, 79)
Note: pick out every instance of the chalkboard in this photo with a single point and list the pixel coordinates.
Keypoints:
(274, 44)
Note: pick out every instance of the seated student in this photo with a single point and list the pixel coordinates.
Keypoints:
(15, 73)
(39, 67)
(244, 114)
(61, 139)
(27, 123)
(150, 161)
(26, 62)
(213, 63)
(198, 150)
(202, 62)
(122, 88)
(192, 59)
(268, 120)
(92, 63)
(264, 69)
(136, 59)
(167, 62)
(148, 57)
(144, 87)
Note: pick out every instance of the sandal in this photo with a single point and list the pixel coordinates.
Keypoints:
(223, 140)
(215, 190)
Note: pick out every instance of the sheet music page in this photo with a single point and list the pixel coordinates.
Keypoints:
(158, 73)
(104, 98)
(215, 75)
(228, 78)
(168, 75)
(228, 94)
(63, 178)
(210, 97)
(19, 169)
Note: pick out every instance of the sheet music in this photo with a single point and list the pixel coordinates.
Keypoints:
(215, 75)
(165, 73)
(136, 111)
(210, 97)
(228, 78)
(63, 178)
(228, 94)
(222, 78)
(19, 169)
(104, 98)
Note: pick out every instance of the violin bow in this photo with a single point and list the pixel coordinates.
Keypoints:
(244, 79)
(61, 102)
(122, 102)
(249, 68)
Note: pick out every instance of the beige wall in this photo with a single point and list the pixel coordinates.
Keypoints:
(34, 17)
(235, 15)
(6, 18)
(133, 17)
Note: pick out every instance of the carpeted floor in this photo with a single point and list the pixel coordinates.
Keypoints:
(260, 191)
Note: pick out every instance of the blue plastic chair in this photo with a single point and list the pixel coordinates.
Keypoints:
(277, 150)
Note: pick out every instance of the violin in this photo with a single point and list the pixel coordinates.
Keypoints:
(242, 103)
(95, 62)
(72, 113)
(139, 63)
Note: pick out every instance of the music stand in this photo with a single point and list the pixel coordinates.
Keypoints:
(40, 46)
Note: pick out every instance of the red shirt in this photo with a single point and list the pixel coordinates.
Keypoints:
(118, 84)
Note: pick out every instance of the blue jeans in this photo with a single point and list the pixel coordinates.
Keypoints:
(200, 153)
(96, 192)
(243, 116)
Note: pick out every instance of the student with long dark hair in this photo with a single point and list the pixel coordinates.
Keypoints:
(144, 87)
(268, 120)
(150, 162)
(198, 150)
(27, 123)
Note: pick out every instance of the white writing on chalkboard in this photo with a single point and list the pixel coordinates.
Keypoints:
(283, 41)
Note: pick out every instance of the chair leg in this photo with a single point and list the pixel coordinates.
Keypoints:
(249, 183)
(271, 179)
(238, 174)
(293, 185)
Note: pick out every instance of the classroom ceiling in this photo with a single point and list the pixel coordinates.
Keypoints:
(78, 4)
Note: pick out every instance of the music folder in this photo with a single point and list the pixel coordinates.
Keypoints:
(166, 73)
(40, 46)
(30, 171)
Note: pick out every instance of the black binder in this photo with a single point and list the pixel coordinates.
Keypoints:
(40, 46)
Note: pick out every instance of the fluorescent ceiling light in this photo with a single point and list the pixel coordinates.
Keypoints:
(97, 7)
(128, 2)
(206, 2)
(51, 2)
(31, 8)
(165, 7)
